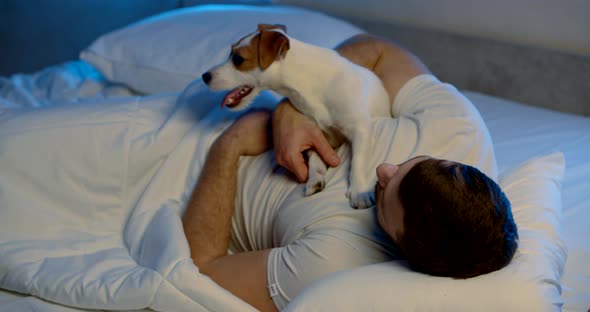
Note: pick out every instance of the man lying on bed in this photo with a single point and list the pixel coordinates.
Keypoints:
(442, 214)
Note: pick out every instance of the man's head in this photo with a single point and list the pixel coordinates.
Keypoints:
(448, 219)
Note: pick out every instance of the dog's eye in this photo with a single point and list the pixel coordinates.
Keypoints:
(237, 59)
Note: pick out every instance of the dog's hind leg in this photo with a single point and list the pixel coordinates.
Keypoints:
(316, 180)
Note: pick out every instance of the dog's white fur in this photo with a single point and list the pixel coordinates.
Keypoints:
(337, 94)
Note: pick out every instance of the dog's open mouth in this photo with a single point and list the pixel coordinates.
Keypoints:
(235, 96)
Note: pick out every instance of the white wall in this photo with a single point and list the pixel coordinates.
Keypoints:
(557, 24)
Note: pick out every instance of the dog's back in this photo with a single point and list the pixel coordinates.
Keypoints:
(326, 82)
(370, 90)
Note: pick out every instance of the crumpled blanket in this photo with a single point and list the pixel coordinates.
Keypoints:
(69, 82)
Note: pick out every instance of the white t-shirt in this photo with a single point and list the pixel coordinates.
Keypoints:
(317, 235)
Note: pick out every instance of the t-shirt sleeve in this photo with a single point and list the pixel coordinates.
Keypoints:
(443, 123)
(315, 255)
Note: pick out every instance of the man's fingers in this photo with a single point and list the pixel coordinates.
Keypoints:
(327, 153)
(298, 167)
(293, 161)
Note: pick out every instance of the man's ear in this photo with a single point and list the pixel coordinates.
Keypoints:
(271, 46)
(262, 27)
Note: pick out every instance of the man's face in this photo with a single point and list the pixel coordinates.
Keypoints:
(390, 214)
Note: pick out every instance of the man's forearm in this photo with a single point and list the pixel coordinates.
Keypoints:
(207, 219)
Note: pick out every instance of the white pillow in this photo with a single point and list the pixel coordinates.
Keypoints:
(529, 283)
(165, 52)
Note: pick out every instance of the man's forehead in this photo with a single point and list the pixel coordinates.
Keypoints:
(407, 165)
(416, 159)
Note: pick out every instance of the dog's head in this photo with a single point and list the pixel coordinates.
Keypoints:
(246, 69)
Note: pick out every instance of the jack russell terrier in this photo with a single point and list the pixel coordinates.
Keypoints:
(340, 96)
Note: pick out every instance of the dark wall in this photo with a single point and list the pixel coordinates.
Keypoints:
(39, 33)
(552, 79)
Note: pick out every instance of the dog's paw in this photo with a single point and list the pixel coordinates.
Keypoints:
(361, 200)
(315, 184)
(316, 180)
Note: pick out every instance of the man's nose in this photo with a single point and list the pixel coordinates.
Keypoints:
(385, 172)
(207, 77)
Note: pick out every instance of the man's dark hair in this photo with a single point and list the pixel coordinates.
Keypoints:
(457, 221)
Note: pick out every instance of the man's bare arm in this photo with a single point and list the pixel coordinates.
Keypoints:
(207, 219)
(393, 64)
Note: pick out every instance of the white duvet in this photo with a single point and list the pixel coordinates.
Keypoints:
(91, 196)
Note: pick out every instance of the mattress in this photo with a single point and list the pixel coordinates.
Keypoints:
(519, 132)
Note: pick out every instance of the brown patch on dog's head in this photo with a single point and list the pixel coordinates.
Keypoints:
(262, 50)
(245, 56)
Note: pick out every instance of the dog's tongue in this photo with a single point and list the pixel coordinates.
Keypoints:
(232, 98)
(235, 96)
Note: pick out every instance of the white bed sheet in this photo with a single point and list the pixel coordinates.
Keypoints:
(519, 132)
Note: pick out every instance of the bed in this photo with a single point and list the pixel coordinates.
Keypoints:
(139, 83)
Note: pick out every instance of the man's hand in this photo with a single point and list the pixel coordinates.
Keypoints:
(294, 133)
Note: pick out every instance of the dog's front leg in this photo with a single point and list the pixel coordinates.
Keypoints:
(316, 180)
(361, 191)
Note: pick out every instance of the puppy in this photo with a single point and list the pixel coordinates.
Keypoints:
(340, 96)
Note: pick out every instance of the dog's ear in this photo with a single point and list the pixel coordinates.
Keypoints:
(262, 27)
(271, 46)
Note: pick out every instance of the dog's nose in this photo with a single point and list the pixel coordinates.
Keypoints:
(206, 77)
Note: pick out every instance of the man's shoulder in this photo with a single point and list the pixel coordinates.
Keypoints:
(426, 96)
